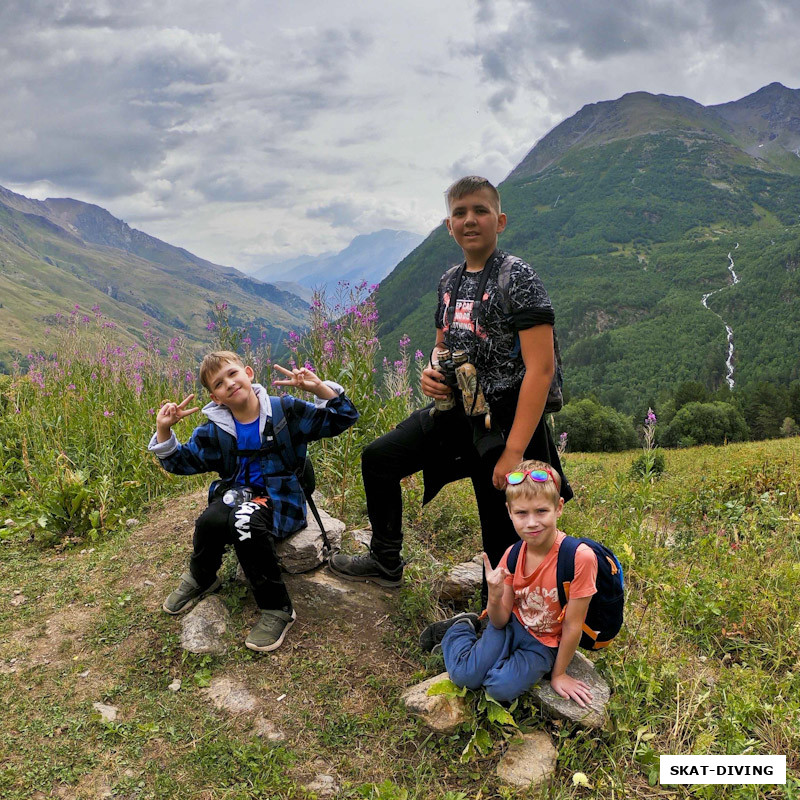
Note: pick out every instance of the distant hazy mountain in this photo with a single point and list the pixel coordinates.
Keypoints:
(628, 210)
(60, 252)
(369, 257)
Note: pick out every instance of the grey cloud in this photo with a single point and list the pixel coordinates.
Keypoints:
(533, 46)
(338, 213)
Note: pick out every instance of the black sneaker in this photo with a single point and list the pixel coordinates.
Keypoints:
(364, 568)
(431, 638)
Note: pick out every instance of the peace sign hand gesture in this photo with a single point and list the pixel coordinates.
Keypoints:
(495, 578)
(171, 413)
(304, 378)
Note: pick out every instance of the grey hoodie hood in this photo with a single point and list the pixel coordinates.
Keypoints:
(221, 415)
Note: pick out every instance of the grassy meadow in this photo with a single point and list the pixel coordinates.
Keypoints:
(93, 535)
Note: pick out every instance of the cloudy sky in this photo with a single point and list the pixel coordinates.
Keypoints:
(253, 130)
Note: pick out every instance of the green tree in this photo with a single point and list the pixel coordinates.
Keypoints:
(705, 423)
(594, 427)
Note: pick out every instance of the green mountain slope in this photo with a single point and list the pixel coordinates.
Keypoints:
(628, 211)
(58, 253)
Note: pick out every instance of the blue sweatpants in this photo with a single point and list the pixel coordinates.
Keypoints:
(505, 661)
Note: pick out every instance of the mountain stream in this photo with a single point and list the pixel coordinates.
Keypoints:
(728, 329)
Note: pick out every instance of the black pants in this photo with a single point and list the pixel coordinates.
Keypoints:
(442, 446)
(248, 528)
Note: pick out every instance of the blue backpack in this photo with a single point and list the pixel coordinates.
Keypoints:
(604, 617)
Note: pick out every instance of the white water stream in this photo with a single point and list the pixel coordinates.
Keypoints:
(728, 329)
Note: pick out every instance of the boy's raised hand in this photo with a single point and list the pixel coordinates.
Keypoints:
(305, 379)
(171, 413)
(495, 578)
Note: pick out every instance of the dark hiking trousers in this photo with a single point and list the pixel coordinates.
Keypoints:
(248, 528)
(441, 446)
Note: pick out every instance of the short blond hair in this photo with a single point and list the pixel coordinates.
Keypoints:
(530, 490)
(214, 361)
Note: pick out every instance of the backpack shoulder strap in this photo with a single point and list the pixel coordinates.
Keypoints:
(453, 278)
(513, 556)
(280, 430)
(294, 461)
(565, 567)
(503, 280)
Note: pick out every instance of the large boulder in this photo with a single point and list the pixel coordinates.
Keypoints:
(461, 582)
(594, 715)
(439, 712)
(529, 760)
(303, 551)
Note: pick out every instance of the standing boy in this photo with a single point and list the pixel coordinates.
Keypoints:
(528, 634)
(508, 337)
(259, 498)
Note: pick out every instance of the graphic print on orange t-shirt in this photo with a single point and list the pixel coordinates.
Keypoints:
(536, 603)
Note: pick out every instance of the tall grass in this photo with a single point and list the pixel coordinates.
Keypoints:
(74, 424)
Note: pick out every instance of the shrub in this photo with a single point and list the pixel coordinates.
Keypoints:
(591, 427)
(648, 464)
(705, 423)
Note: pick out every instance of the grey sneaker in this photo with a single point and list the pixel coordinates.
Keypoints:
(431, 638)
(267, 634)
(364, 568)
(187, 594)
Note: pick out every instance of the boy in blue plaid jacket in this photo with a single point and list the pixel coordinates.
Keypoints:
(257, 498)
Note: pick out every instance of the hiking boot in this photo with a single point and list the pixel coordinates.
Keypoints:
(187, 594)
(364, 568)
(431, 638)
(267, 634)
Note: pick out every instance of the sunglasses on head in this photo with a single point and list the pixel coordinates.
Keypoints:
(536, 475)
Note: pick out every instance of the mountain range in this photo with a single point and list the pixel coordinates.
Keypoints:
(57, 253)
(369, 257)
(632, 211)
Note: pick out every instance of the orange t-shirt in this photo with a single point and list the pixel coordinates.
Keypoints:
(536, 603)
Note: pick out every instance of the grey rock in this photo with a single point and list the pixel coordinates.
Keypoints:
(303, 551)
(439, 712)
(228, 695)
(594, 715)
(323, 786)
(267, 729)
(107, 713)
(362, 536)
(461, 582)
(204, 627)
(175, 686)
(529, 760)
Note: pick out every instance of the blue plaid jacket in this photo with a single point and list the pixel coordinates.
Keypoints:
(211, 449)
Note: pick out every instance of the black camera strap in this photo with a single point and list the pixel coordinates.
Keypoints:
(455, 287)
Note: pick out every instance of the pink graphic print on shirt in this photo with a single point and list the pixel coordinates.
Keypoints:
(535, 606)
(462, 319)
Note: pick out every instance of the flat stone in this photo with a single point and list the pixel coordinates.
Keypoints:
(594, 715)
(439, 712)
(228, 695)
(175, 686)
(107, 713)
(461, 582)
(303, 551)
(323, 786)
(267, 729)
(529, 760)
(204, 627)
